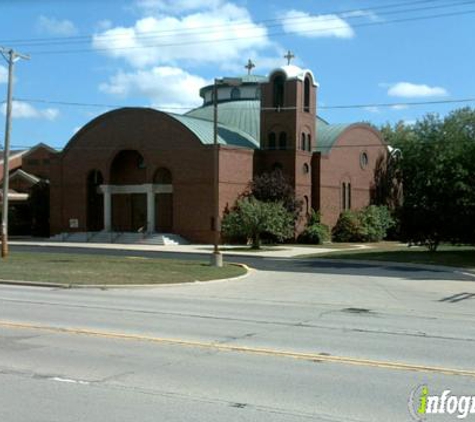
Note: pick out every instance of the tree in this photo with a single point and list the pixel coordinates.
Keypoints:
(253, 218)
(274, 187)
(437, 168)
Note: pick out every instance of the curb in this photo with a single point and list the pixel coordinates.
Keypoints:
(26, 283)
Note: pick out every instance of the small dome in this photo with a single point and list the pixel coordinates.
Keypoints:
(294, 72)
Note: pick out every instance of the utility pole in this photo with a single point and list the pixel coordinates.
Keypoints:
(11, 57)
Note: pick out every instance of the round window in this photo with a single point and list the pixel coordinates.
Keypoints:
(364, 160)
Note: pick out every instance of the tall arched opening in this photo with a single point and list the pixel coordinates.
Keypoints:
(95, 201)
(128, 193)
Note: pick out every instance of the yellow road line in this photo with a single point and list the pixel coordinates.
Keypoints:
(244, 349)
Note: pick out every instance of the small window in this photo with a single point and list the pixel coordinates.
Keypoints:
(306, 168)
(307, 205)
(283, 140)
(33, 161)
(349, 196)
(272, 141)
(343, 196)
(278, 100)
(364, 160)
(235, 93)
(140, 162)
(306, 95)
(303, 145)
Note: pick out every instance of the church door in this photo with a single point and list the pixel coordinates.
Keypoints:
(164, 212)
(138, 211)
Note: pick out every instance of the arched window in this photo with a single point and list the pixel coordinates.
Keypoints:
(303, 145)
(309, 142)
(235, 93)
(306, 205)
(343, 196)
(283, 140)
(306, 95)
(349, 196)
(271, 141)
(278, 99)
(162, 176)
(128, 168)
(306, 168)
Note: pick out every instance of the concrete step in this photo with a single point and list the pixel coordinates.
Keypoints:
(164, 239)
(121, 238)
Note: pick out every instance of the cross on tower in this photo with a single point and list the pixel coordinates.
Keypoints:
(289, 56)
(249, 66)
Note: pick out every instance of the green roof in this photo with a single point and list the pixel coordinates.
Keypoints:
(244, 115)
(204, 130)
(327, 135)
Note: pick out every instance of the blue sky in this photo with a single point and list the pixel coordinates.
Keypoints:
(159, 52)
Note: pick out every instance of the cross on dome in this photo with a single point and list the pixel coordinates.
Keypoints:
(249, 66)
(289, 56)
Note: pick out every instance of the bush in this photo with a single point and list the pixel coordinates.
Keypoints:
(371, 224)
(376, 221)
(253, 219)
(315, 233)
(348, 228)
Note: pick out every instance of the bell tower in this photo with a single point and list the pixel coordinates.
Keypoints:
(288, 125)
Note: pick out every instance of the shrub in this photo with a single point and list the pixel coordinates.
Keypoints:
(375, 221)
(315, 233)
(253, 219)
(368, 225)
(348, 228)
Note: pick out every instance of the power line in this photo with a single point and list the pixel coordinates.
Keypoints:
(230, 39)
(326, 17)
(329, 107)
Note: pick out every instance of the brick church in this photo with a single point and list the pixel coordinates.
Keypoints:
(141, 169)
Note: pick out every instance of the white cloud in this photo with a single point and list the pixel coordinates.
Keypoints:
(23, 110)
(410, 90)
(3, 75)
(399, 107)
(362, 14)
(165, 87)
(177, 6)
(55, 26)
(315, 26)
(216, 36)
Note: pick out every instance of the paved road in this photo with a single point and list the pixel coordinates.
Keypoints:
(307, 342)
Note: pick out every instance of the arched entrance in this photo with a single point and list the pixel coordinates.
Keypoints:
(129, 205)
(95, 201)
(163, 201)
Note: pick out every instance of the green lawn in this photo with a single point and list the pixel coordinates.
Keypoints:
(453, 256)
(78, 269)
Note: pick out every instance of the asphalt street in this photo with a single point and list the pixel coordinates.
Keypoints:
(294, 341)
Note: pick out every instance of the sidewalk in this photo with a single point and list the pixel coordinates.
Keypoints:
(283, 251)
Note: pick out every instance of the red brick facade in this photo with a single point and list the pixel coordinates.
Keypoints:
(131, 146)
